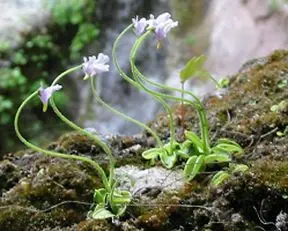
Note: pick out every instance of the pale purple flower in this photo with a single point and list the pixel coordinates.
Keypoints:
(93, 66)
(162, 18)
(162, 25)
(46, 93)
(139, 25)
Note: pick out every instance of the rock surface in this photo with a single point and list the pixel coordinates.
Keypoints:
(43, 193)
(228, 32)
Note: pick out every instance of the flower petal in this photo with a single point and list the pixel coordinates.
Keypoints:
(46, 93)
(93, 66)
(139, 25)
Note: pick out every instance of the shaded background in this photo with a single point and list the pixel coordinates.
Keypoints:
(41, 38)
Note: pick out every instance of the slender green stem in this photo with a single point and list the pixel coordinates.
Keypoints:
(53, 153)
(198, 105)
(133, 53)
(95, 138)
(182, 105)
(115, 60)
(130, 80)
(144, 126)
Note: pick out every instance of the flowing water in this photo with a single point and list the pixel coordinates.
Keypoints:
(113, 89)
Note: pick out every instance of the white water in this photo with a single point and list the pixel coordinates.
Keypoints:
(114, 90)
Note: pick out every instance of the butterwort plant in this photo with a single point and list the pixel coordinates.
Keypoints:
(109, 201)
(197, 150)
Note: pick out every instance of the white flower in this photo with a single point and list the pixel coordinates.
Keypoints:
(162, 18)
(162, 25)
(46, 93)
(93, 66)
(139, 25)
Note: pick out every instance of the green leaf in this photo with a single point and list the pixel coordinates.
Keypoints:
(100, 195)
(194, 165)
(193, 137)
(119, 201)
(219, 177)
(176, 147)
(219, 157)
(227, 141)
(151, 153)
(100, 213)
(120, 197)
(189, 148)
(239, 168)
(192, 68)
(168, 160)
(183, 154)
(223, 83)
(228, 146)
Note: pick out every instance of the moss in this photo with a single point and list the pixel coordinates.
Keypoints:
(14, 219)
(9, 175)
(49, 182)
(94, 225)
(272, 173)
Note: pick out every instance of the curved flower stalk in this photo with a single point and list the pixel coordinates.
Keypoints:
(197, 104)
(91, 68)
(161, 26)
(144, 126)
(93, 137)
(165, 152)
(169, 156)
(117, 200)
(130, 80)
(99, 170)
(140, 78)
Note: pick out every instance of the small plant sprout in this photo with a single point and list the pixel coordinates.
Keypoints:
(223, 83)
(46, 93)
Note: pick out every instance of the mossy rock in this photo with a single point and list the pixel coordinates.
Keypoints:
(43, 193)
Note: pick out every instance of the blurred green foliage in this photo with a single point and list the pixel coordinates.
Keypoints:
(86, 33)
(44, 53)
(276, 5)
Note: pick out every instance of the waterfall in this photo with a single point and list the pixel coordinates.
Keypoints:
(114, 16)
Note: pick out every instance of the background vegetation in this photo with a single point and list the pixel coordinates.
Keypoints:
(44, 54)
